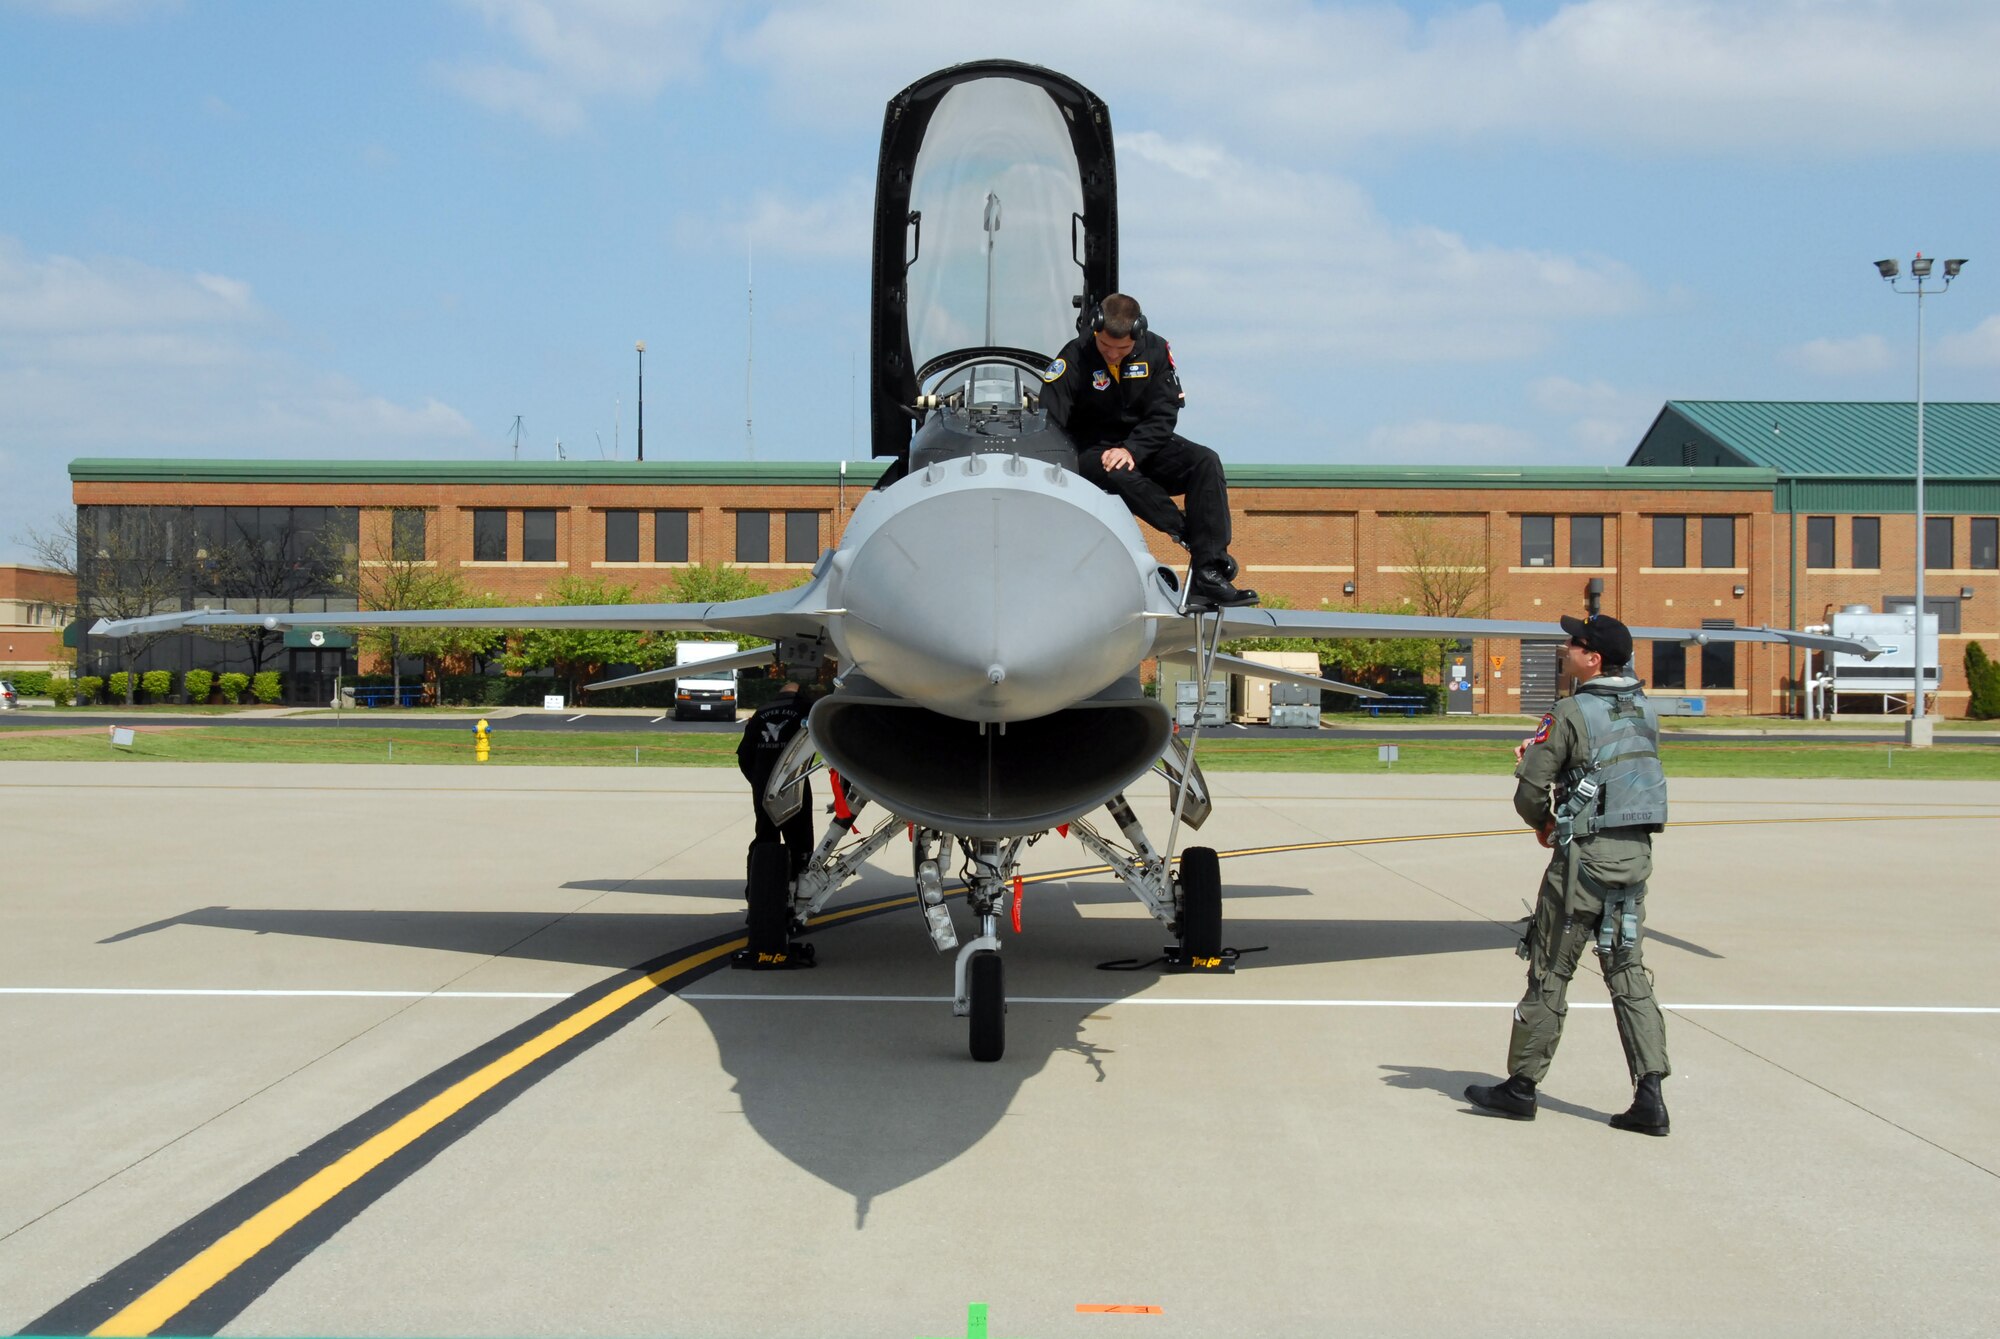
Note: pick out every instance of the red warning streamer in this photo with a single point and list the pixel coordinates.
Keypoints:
(1017, 904)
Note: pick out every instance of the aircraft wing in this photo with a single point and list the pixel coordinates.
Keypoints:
(785, 613)
(1252, 669)
(1336, 623)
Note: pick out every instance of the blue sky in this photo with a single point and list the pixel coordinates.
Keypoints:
(1416, 233)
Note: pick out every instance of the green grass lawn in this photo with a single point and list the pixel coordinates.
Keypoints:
(1310, 753)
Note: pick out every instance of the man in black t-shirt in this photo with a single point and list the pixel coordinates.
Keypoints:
(765, 736)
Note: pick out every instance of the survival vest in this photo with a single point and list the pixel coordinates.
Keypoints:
(1622, 786)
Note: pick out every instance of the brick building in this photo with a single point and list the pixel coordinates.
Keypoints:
(34, 607)
(1704, 526)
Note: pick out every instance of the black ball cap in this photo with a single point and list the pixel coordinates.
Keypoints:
(1603, 634)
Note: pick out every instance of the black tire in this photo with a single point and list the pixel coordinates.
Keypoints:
(770, 891)
(985, 982)
(1201, 902)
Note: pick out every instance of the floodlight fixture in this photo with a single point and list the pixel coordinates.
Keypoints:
(1889, 268)
(1952, 267)
(1920, 266)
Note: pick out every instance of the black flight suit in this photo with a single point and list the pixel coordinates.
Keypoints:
(1136, 405)
(765, 736)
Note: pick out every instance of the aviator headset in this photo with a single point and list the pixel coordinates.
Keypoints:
(1097, 322)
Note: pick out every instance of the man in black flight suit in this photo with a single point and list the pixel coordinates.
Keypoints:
(765, 736)
(1117, 395)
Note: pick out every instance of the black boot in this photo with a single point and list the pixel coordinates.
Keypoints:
(1648, 1114)
(1211, 585)
(1514, 1099)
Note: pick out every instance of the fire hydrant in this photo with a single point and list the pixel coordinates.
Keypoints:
(481, 745)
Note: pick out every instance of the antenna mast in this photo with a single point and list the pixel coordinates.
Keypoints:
(517, 436)
(750, 350)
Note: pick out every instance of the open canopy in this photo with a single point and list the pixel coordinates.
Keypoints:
(995, 226)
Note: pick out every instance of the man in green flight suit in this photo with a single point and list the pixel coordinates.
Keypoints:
(1591, 786)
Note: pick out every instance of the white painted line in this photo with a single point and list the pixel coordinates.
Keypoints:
(297, 994)
(1107, 1001)
(656, 720)
(573, 719)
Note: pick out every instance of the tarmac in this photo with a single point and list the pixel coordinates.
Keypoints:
(351, 1050)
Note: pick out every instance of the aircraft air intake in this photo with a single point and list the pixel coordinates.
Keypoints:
(990, 781)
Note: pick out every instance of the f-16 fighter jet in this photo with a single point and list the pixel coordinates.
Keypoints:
(989, 608)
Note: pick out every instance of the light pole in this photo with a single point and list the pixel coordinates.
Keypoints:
(642, 399)
(1920, 269)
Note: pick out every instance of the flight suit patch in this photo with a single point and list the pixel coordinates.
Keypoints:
(1100, 380)
(1056, 369)
(1136, 370)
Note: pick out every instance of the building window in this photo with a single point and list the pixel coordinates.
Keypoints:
(1718, 541)
(1866, 550)
(621, 536)
(1670, 541)
(1819, 541)
(1985, 541)
(489, 536)
(801, 536)
(1718, 659)
(406, 535)
(1670, 665)
(1944, 607)
(538, 536)
(1538, 541)
(1586, 541)
(1937, 541)
(670, 536)
(753, 536)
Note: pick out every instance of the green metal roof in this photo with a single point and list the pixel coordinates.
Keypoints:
(865, 472)
(1849, 439)
(656, 472)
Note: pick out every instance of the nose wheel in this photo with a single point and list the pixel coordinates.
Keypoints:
(986, 992)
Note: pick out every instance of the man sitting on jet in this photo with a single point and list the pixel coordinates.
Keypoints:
(1117, 395)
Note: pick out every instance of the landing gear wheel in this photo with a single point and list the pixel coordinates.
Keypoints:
(1201, 904)
(770, 899)
(986, 987)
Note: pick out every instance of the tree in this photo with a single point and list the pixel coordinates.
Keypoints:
(1444, 568)
(127, 562)
(1982, 676)
(577, 654)
(408, 584)
(273, 568)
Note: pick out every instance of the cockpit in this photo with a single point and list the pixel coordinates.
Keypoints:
(995, 227)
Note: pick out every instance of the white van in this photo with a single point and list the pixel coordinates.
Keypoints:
(704, 699)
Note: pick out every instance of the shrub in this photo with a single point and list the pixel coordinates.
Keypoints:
(60, 690)
(157, 685)
(89, 688)
(30, 683)
(115, 687)
(233, 685)
(198, 685)
(265, 687)
(1982, 676)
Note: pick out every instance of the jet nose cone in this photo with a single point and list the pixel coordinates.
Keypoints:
(994, 604)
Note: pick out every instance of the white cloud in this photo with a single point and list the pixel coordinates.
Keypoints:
(1439, 442)
(62, 293)
(1600, 417)
(1858, 356)
(1977, 347)
(835, 226)
(1831, 76)
(94, 9)
(565, 55)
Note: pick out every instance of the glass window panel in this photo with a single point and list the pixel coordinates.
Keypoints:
(1586, 541)
(1937, 541)
(1670, 537)
(1718, 659)
(1866, 549)
(1718, 541)
(1945, 607)
(670, 537)
(801, 536)
(1670, 665)
(1538, 541)
(753, 536)
(407, 542)
(538, 536)
(1986, 541)
(489, 536)
(621, 536)
(1819, 541)
(995, 184)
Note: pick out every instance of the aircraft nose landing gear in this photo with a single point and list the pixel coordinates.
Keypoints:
(979, 990)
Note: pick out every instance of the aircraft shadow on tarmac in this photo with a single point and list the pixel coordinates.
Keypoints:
(869, 1097)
